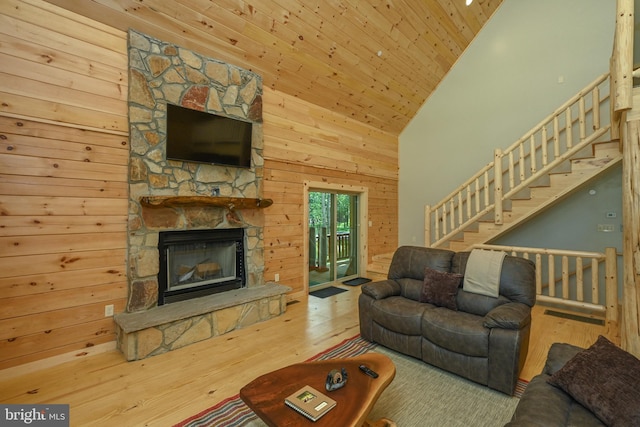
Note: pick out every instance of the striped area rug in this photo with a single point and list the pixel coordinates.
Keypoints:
(233, 412)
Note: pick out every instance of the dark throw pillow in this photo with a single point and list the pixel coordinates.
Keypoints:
(440, 288)
(604, 379)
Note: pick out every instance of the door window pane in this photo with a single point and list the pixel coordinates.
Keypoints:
(333, 244)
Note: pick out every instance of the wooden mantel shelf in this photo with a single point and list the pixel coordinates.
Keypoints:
(230, 203)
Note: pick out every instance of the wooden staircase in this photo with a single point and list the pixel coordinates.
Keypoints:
(380, 264)
(540, 195)
(559, 155)
(537, 197)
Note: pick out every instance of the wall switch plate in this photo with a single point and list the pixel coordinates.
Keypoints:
(277, 277)
(607, 228)
(108, 310)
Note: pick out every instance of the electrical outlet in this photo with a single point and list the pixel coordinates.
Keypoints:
(277, 277)
(108, 310)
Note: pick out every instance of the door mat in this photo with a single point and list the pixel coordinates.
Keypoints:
(327, 292)
(357, 281)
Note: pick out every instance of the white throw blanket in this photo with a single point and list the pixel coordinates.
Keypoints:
(482, 275)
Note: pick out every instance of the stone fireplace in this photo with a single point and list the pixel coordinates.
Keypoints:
(171, 197)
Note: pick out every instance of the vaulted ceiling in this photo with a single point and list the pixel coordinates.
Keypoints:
(376, 61)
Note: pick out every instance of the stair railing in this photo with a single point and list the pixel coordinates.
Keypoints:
(572, 127)
(597, 292)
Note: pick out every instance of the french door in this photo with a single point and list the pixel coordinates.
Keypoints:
(333, 236)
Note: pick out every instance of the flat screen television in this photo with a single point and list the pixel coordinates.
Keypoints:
(197, 136)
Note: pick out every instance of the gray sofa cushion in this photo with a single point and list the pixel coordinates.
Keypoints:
(410, 261)
(515, 277)
(410, 288)
(456, 331)
(544, 405)
(399, 314)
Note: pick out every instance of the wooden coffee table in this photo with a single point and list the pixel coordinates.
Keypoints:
(265, 395)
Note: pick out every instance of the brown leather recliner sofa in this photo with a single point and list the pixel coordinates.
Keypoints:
(543, 404)
(485, 340)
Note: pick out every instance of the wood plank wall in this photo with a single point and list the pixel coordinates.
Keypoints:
(307, 143)
(63, 180)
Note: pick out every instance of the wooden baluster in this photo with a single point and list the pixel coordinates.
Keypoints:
(477, 195)
(512, 178)
(469, 201)
(427, 226)
(579, 279)
(436, 225)
(595, 297)
(452, 214)
(569, 129)
(596, 108)
(497, 185)
(460, 210)
(611, 284)
(582, 120)
(556, 137)
(565, 277)
(444, 219)
(486, 189)
(532, 154)
(552, 276)
(543, 146)
(521, 161)
(538, 274)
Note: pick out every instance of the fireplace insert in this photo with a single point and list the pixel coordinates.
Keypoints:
(196, 263)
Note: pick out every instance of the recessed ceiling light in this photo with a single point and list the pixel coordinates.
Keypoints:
(469, 2)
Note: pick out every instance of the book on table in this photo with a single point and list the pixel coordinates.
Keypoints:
(310, 402)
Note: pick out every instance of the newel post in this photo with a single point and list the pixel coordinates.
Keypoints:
(427, 226)
(611, 283)
(623, 64)
(497, 185)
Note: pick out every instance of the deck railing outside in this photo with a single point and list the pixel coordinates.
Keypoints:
(574, 279)
(573, 126)
(320, 249)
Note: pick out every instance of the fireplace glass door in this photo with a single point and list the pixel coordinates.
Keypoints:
(199, 262)
(202, 263)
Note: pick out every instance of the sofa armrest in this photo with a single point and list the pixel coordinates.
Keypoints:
(382, 289)
(512, 315)
(559, 354)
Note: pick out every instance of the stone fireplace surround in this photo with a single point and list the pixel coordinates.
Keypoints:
(161, 72)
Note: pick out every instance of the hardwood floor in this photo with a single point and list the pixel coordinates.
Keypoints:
(105, 390)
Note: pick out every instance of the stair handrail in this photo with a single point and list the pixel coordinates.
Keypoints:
(545, 258)
(485, 190)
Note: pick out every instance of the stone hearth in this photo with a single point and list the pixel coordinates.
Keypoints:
(169, 327)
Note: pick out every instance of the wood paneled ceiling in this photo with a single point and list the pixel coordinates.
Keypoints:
(376, 61)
